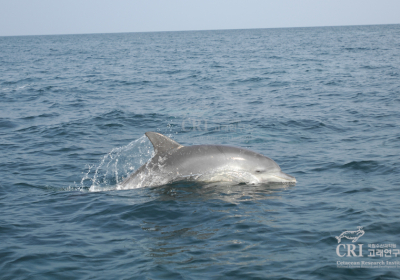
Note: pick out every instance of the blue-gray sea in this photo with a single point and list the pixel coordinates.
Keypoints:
(323, 102)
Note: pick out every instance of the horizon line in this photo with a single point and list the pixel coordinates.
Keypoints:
(193, 30)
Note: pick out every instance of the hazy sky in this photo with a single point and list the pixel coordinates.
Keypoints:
(35, 17)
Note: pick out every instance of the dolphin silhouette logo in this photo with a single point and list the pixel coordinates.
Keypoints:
(352, 235)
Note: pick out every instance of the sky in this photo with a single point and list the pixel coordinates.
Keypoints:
(43, 17)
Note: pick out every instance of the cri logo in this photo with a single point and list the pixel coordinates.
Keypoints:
(351, 248)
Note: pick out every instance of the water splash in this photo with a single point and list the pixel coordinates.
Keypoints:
(117, 165)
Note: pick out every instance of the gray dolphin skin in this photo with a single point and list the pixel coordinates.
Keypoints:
(208, 163)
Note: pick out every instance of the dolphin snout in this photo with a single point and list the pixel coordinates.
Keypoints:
(283, 177)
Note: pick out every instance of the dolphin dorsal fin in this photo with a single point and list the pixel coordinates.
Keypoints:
(162, 143)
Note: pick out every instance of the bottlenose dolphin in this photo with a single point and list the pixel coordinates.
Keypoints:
(208, 163)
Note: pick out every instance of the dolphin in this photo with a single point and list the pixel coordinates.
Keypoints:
(207, 163)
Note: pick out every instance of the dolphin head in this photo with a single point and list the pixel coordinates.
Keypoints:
(264, 175)
(262, 168)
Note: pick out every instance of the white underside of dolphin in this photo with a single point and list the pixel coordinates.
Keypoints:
(208, 163)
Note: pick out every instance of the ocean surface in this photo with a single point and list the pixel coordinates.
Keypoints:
(323, 102)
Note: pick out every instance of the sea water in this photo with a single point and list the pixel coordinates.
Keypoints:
(322, 102)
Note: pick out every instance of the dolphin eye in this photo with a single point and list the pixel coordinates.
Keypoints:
(260, 170)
